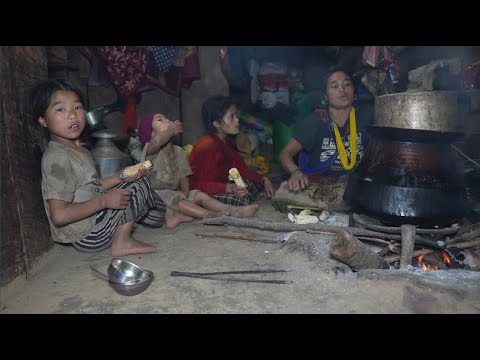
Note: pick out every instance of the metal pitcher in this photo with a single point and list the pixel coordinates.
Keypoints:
(107, 156)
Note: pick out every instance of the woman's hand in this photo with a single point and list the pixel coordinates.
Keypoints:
(269, 190)
(298, 180)
(236, 190)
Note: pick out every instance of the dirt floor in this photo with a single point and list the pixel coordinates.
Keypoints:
(62, 281)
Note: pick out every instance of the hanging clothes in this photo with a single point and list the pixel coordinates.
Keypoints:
(164, 56)
(126, 67)
(130, 118)
(182, 76)
(132, 69)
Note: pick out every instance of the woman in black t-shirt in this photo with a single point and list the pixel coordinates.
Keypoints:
(327, 138)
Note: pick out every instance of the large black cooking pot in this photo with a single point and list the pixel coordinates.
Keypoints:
(408, 174)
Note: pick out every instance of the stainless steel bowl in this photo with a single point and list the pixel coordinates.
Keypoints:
(136, 287)
(122, 271)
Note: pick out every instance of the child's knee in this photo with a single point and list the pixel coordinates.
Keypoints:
(200, 196)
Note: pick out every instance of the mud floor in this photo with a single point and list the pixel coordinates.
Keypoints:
(62, 281)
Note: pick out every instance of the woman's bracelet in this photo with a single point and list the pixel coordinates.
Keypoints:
(294, 171)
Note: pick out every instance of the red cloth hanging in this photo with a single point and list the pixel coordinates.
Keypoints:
(182, 76)
(130, 118)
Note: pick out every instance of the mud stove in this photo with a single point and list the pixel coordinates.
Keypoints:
(409, 184)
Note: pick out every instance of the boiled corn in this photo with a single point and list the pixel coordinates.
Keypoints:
(133, 170)
(303, 218)
(235, 176)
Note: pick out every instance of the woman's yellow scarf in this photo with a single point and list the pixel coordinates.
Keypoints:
(353, 143)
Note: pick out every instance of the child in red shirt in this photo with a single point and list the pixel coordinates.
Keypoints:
(213, 155)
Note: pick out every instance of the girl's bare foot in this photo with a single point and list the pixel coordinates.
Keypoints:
(130, 247)
(244, 211)
(174, 218)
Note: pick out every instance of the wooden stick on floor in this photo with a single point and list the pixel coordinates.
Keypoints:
(236, 237)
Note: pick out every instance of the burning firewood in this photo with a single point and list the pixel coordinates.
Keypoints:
(464, 245)
(455, 258)
(433, 260)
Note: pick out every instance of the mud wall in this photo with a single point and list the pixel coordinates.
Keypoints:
(25, 233)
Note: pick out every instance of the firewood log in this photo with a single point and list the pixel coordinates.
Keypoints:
(408, 243)
(351, 251)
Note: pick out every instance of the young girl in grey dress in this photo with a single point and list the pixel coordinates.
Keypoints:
(90, 213)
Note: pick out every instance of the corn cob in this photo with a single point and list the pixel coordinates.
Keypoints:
(133, 170)
(303, 218)
(235, 176)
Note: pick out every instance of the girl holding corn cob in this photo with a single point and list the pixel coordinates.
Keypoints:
(169, 177)
(213, 156)
(90, 213)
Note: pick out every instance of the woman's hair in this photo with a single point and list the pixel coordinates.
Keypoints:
(330, 72)
(42, 92)
(214, 109)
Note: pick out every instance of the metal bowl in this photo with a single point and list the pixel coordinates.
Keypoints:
(134, 288)
(124, 272)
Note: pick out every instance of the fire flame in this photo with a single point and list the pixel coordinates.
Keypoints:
(425, 266)
(446, 259)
